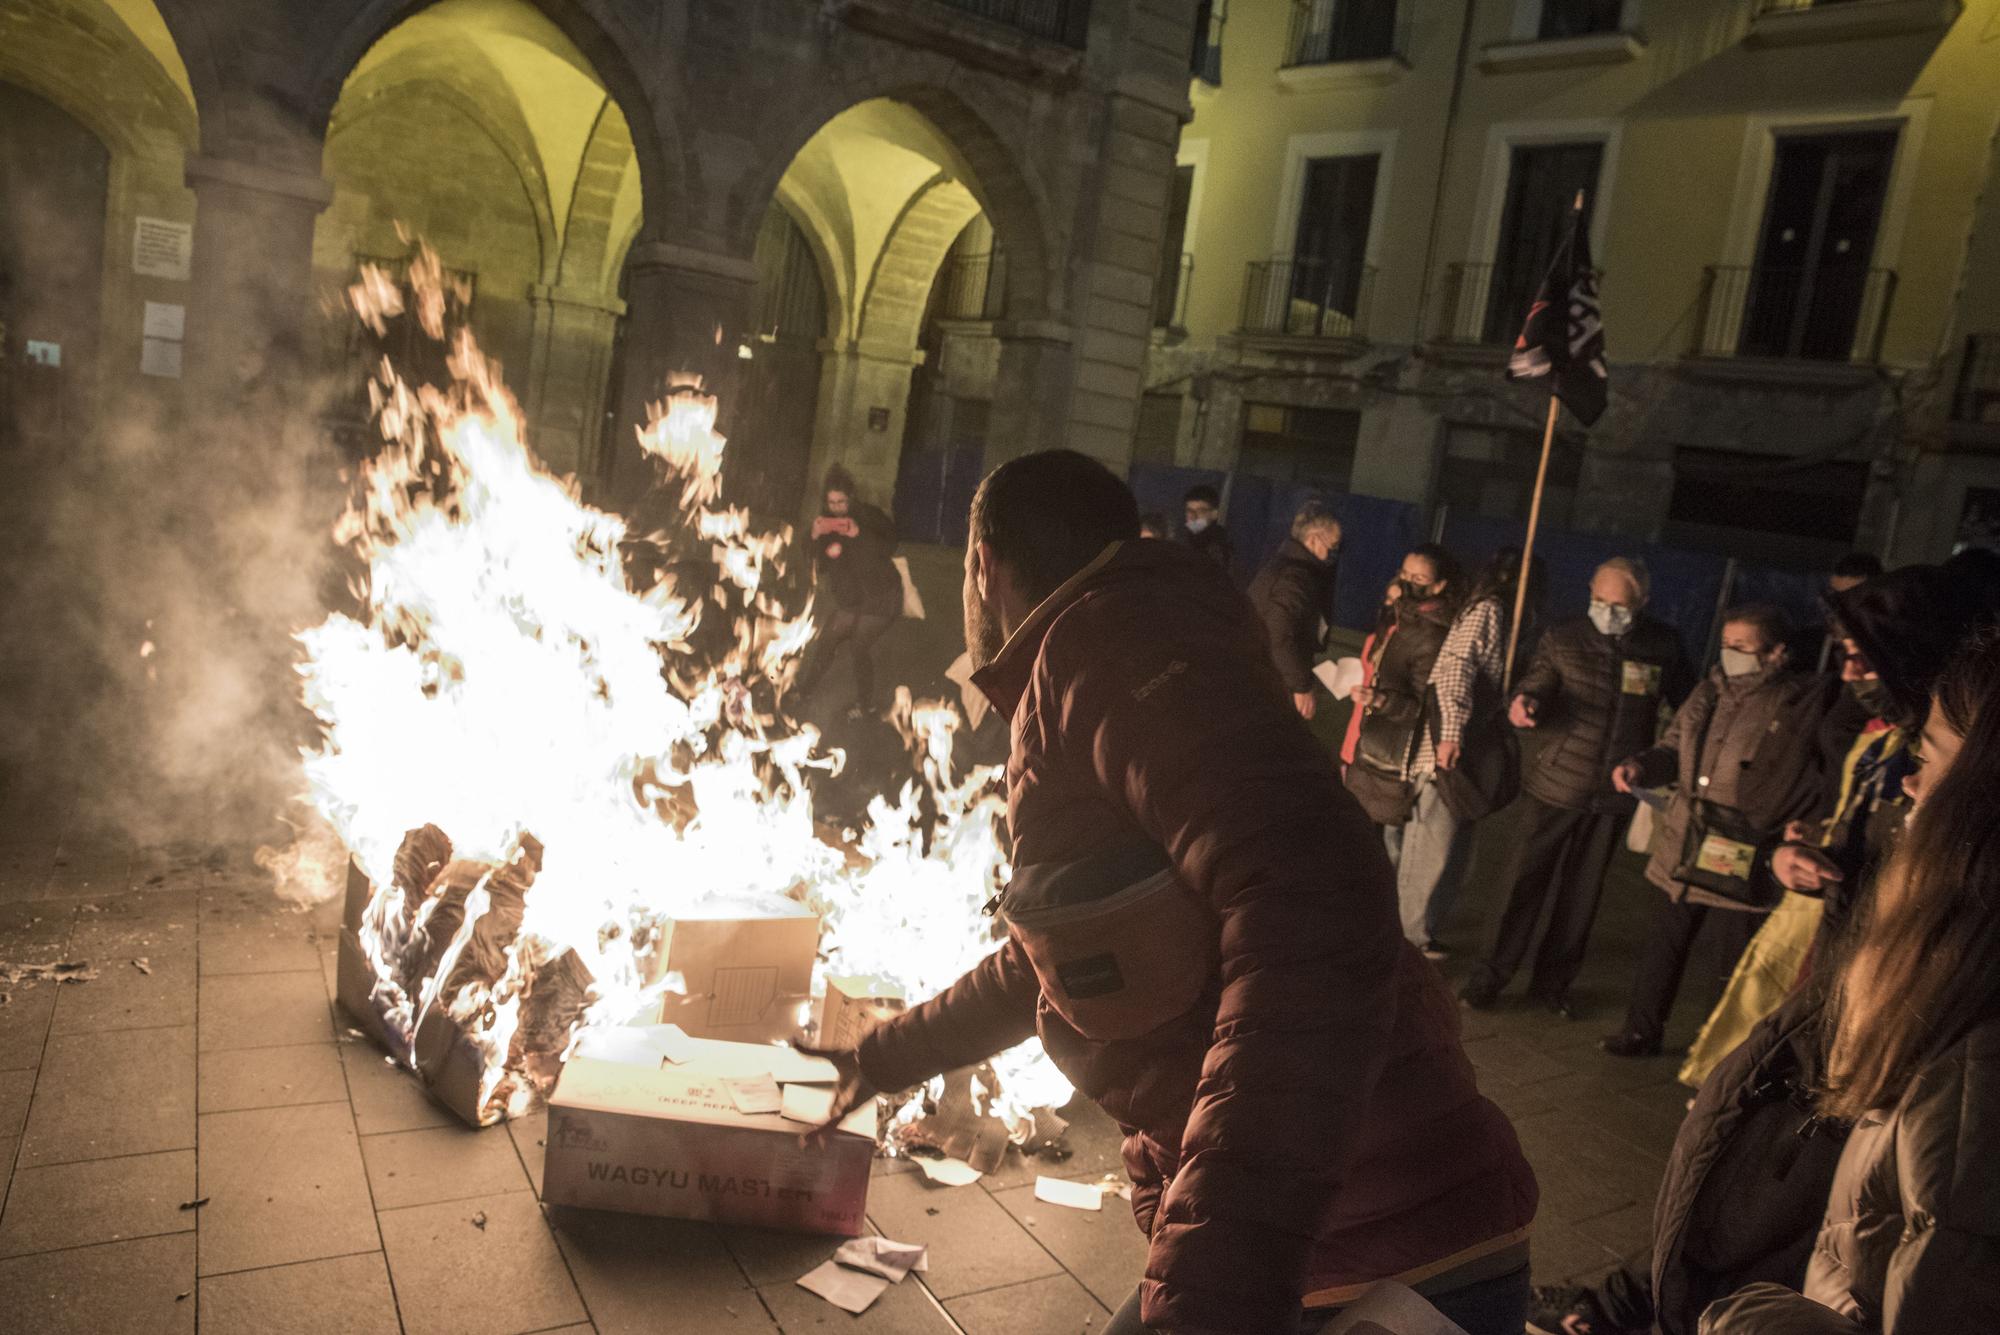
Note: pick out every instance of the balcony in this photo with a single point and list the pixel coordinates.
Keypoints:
(1064, 21)
(1796, 22)
(1170, 296)
(1205, 62)
(973, 287)
(1344, 43)
(1466, 310)
(1307, 299)
(1804, 320)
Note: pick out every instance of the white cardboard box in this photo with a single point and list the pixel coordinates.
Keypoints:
(668, 1140)
(745, 970)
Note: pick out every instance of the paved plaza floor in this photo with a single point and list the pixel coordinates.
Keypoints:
(201, 1143)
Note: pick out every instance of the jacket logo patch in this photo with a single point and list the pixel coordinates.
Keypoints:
(1092, 976)
(1173, 670)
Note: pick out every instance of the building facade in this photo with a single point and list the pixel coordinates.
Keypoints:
(1792, 206)
(762, 192)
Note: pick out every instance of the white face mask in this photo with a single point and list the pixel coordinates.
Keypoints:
(1196, 525)
(1609, 618)
(1737, 663)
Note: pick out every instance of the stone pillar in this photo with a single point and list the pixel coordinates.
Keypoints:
(569, 363)
(1031, 393)
(864, 402)
(687, 313)
(251, 297)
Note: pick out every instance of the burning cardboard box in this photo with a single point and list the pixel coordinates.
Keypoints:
(853, 1006)
(745, 970)
(672, 1137)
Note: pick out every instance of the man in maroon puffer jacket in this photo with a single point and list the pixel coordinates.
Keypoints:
(1203, 930)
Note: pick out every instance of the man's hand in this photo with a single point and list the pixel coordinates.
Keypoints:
(1448, 754)
(1626, 777)
(1303, 702)
(1806, 871)
(850, 1089)
(1522, 710)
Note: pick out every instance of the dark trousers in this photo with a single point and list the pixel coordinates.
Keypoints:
(1497, 1306)
(1562, 855)
(855, 632)
(1664, 958)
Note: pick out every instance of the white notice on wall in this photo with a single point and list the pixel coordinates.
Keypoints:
(162, 249)
(164, 319)
(161, 357)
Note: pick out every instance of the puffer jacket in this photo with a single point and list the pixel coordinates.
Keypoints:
(1401, 684)
(1910, 1244)
(1293, 593)
(1749, 744)
(1598, 701)
(1299, 1116)
(859, 573)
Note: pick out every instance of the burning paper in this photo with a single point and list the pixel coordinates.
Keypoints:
(548, 738)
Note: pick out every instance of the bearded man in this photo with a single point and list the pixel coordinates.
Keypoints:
(1202, 927)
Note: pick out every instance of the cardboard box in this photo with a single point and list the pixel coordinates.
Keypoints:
(746, 969)
(668, 1140)
(853, 1006)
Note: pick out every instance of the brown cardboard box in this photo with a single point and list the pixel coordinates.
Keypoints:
(668, 1140)
(746, 969)
(853, 1006)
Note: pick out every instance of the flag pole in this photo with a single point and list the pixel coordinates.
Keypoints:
(1528, 546)
(1535, 505)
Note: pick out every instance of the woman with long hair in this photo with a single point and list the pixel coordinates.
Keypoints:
(1911, 1238)
(1396, 666)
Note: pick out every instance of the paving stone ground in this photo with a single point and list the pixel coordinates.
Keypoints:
(336, 1198)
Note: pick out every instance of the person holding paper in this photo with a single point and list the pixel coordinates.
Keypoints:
(1293, 593)
(858, 591)
(1202, 928)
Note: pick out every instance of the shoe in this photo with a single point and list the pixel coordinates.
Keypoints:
(1479, 994)
(1559, 1004)
(1434, 952)
(1631, 1043)
(1564, 1309)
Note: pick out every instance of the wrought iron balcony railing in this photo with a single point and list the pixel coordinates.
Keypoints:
(1307, 299)
(1064, 21)
(1331, 32)
(1823, 314)
(1465, 306)
(975, 286)
(1170, 295)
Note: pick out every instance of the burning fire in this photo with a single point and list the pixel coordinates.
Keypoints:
(595, 758)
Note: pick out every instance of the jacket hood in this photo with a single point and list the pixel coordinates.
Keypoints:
(1906, 623)
(1199, 586)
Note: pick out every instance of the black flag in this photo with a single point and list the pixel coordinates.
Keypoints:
(1563, 336)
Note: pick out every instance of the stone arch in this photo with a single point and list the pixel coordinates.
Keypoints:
(83, 57)
(587, 232)
(605, 42)
(892, 310)
(973, 151)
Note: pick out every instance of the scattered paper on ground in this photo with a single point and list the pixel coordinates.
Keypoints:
(949, 1172)
(70, 971)
(1076, 1195)
(849, 1290)
(755, 1094)
(811, 1104)
(883, 1256)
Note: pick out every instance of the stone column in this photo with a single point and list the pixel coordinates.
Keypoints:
(568, 368)
(687, 313)
(863, 409)
(1031, 393)
(251, 297)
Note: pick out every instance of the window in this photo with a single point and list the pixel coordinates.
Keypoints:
(1489, 473)
(1205, 62)
(1174, 266)
(1328, 32)
(1299, 447)
(1337, 200)
(1765, 508)
(1812, 281)
(1580, 18)
(1156, 440)
(1542, 181)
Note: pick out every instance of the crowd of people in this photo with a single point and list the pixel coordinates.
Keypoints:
(1219, 927)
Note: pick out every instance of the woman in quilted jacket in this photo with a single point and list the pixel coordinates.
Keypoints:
(1910, 1242)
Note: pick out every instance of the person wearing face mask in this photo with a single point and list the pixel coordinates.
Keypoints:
(1293, 593)
(1201, 519)
(1592, 694)
(1896, 633)
(1909, 1240)
(1385, 729)
(1743, 757)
